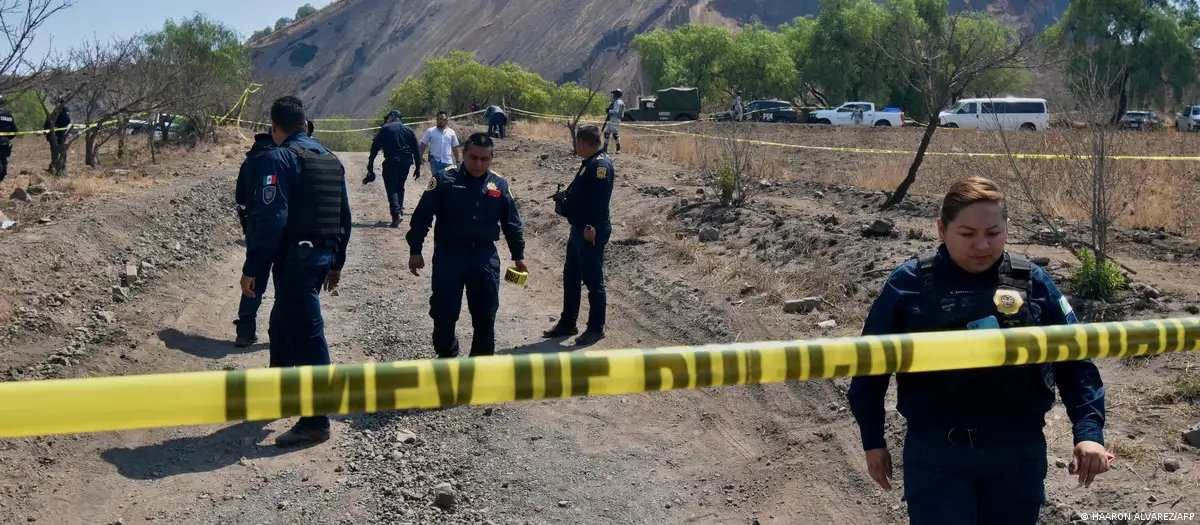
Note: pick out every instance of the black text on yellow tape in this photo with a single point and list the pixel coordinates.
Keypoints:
(165, 400)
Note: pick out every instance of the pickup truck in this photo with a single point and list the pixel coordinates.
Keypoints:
(844, 115)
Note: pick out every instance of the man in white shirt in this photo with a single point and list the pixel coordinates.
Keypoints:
(441, 143)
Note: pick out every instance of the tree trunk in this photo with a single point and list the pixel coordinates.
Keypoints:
(150, 145)
(121, 139)
(58, 156)
(902, 190)
(89, 148)
(1122, 100)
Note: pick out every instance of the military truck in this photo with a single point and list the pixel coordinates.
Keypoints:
(677, 103)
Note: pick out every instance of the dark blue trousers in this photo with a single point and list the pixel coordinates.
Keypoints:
(297, 328)
(497, 124)
(953, 478)
(476, 268)
(395, 174)
(585, 264)
(248, 308)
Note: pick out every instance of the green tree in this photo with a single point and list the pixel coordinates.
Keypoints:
(691, 55)
(797, 36)
(945, 54)
(282, 23)
(848, 61)
(1150, 44)
(305, 11)
(260, 34)
(27, 109)
(760, 63)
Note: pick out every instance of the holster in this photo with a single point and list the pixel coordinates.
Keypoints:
(299, 251)
(560, 201)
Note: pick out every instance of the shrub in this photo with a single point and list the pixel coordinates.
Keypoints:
(1097, 280)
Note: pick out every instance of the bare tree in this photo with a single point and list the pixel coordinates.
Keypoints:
(595, 83)
(735, 166)
(20, 22)
(945, 56)
(1090, 180)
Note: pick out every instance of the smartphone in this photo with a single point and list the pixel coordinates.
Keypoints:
(986, 323)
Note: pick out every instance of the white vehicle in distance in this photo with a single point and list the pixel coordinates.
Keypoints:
(858, 114)
(997, 113)
(1188, 119)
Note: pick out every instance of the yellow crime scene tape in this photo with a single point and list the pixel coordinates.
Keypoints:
(61, 406)
(1030, 156)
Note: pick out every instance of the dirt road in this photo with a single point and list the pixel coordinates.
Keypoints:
(761, 454)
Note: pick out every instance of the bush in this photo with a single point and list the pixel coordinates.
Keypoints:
(727, 181)
(1095, 280)
(359, 141)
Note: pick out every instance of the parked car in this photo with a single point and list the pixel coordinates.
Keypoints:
(677, 103)
(844, 115)
(997, 113)
(767, 110)
(1140, 120)
(1188, 119)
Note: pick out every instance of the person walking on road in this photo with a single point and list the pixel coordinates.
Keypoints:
(247, 191)
(299, 225)
(441, 143)
(612, 122)
(586, 204)
(400, 153)
(974, 448)
(472, 206)
(8, 126)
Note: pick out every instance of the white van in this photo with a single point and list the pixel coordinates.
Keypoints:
(992, 113)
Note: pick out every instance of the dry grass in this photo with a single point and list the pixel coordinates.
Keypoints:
(1134, 450)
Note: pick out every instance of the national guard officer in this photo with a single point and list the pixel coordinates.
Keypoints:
(300, 225)
(612, 123)
(249, 185)
(585, 204)
(974, 451)
(497, 121)
(400, 152)
(7, 125)
(739, 111)
(472, 205)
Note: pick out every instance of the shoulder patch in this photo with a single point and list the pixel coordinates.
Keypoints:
(433, 182)
(601, 172)
(270, 180)
(269, 194)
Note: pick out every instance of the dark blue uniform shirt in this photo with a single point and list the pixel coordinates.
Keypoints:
(267, 217)
(974, 401)
(590, 194)
(398, 142)
(249, 182)
(468, 210)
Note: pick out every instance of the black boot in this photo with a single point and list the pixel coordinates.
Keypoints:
(302, 434)
(246, 335)
(561, 330)
(395, 222)
(589, 338)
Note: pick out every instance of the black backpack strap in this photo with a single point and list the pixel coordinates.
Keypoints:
(926, 264)
(1017, 271)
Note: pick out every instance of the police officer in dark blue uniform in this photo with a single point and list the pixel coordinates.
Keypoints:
(472, 205)
(401, 151)
(497, 121)
(585, 204)
(299, 224)
(249, 186)
(7, 125)
(974, 451)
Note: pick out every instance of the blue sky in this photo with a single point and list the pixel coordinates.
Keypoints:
(121, 18)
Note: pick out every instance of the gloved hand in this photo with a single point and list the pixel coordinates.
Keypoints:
(417, 173)
(370, 177)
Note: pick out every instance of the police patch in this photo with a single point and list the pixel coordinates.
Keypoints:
(269, 194)
(601, 172)
(432, 184)
(1008, 302)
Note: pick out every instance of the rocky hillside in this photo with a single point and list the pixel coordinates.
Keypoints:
(347, 57)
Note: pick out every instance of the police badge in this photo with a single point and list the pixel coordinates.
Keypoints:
(432, 183)
(601, 172)
(1008, 302)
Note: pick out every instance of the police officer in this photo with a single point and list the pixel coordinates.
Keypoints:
(974, 451)
(738, 109)
(472, 206)
(300, 224)
(585, 204)
(400, 152)
(247, 191)
(7, 125)
(497, 121)
(612, 123)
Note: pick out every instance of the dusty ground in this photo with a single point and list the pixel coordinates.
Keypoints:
(786, 453)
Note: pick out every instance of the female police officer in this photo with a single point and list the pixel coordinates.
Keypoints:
(974, 451)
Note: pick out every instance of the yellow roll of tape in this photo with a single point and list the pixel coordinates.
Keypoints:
(515, 277)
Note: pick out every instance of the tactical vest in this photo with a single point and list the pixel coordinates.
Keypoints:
(942, 308)
(315, 199)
